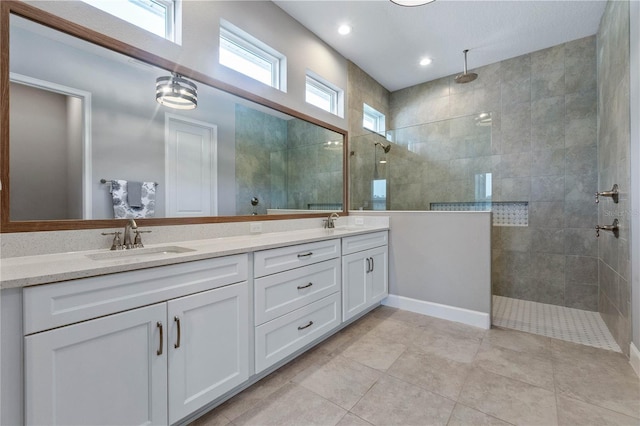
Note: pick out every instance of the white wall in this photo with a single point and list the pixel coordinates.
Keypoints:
(440, 257)
(199, 50)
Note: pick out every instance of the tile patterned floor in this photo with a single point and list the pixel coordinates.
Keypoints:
(572, 325)
(394, 367)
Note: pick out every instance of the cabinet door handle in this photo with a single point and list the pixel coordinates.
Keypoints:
(305, 255)
(373, 265)
(177, 320)
(300, 287)
(305, 326)
(368, 265)
(159, 351)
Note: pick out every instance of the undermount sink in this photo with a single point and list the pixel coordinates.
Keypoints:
(348, 228)
(139, 252)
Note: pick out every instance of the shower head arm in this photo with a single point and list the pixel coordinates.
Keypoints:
(465, 60)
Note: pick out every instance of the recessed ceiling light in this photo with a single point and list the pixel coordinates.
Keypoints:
(344, 29)
(425, 61)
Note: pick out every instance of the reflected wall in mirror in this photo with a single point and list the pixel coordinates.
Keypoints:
(81, 114)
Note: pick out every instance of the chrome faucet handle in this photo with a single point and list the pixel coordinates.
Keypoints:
(117, 243)
(137, 241)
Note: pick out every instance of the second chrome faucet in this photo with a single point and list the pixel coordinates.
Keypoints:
(330, 221)
(128, 243)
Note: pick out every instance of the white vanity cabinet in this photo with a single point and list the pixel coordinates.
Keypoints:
(297, 298)
(104, 371)
(149, 365)
(365, 272)
(209, 347)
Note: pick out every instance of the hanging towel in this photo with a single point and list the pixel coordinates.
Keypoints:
(121, 207)
(134, 194)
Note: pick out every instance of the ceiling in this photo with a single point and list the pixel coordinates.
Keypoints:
(387, 41)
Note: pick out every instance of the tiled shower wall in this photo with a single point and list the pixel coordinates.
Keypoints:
(285, 163)
(613, 167)
(259, 137)
(543, 151)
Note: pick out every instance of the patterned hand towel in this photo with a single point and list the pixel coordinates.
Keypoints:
(121, 207)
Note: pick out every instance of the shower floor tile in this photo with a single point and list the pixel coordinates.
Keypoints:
(572, 325)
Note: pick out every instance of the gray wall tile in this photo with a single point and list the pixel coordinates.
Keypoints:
(581, 296)
(581, 270)
(549, 240)
(549, 162)
(546, 214)
(580, 242)
(548, 188)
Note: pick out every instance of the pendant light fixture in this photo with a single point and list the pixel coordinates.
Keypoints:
(176, 92)
(411, 3)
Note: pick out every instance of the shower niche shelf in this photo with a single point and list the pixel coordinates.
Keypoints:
(505, 213)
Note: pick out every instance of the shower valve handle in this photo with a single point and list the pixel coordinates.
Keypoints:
(612, 228)
(613, 194)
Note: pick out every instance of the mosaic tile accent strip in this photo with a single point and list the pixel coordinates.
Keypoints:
(513, 213)
(558, 322)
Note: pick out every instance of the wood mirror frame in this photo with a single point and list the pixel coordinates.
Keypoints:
(9, 7)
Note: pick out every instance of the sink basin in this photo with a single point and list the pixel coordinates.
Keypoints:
(347, 228)
(139, 253)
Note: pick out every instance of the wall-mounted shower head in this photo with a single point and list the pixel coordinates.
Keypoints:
(386, 148)
(465, 77)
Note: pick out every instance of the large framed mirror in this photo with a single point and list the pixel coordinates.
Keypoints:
(84, 142)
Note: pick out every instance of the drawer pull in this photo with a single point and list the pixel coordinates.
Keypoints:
(159, 351)
(300, 287)
(305, 255)
(306, 326)
(177, 320)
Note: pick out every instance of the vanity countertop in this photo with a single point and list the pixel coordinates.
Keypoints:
(49, 268)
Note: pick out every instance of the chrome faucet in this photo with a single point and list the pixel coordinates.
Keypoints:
(330, 221)
(131, 224)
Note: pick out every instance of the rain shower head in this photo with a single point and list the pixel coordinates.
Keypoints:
(386, 148)
(465, 77)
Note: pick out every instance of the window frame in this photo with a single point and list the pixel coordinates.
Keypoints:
(375, 116)
(172, 16)
(251, 49)
(322, 86)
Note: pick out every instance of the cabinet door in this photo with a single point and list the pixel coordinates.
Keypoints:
(111, 370)
(354, 284)
(379, 275)
(208, 347)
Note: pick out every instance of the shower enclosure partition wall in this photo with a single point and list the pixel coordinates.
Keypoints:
(543, 240)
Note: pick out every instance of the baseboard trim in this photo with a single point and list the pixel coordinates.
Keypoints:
(451, 313)
(634, 358)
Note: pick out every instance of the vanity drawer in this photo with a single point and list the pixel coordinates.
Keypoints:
(284, 258)
(281, 293)
(54, 305)
(283, 336)
(364, 242)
